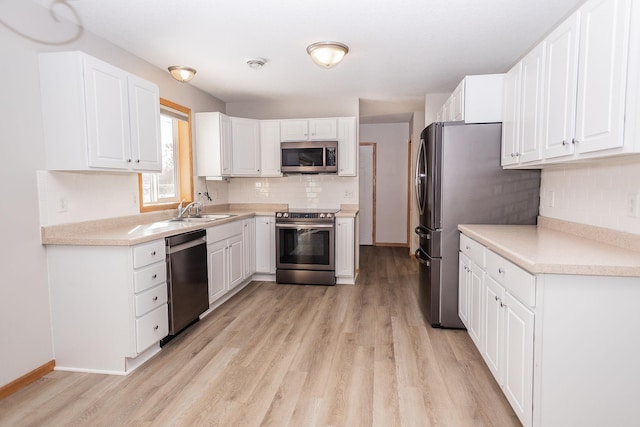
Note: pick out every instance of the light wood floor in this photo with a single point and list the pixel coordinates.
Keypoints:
(285, 355)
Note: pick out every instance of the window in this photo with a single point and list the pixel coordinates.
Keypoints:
(165, 190)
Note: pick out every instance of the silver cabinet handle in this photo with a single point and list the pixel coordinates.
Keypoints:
(468, 247)
(502, 304)
(155, 328)
(154, 276)
(501, 271)
(155, 299)
(564, 143)
(574, 141)
(128, 160)
(153, 253)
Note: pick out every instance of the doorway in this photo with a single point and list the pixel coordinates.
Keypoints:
(367, 191)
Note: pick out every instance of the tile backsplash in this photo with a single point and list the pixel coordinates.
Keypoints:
(298, 191)
(597, 194)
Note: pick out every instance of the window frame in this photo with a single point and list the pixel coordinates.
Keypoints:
(185, 164)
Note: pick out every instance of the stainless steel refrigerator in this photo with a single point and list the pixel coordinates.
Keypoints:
(459, 180)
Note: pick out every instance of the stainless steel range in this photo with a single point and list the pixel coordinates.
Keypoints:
(305, 252)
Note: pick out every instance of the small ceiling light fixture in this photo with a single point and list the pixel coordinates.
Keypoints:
(256, 63)
(327, 54)
(182, 74)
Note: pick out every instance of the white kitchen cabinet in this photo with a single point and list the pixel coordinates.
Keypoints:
(270, 148)
(265, 244)
(347, 146)
(108, 305)
(588, 85)
(249, 246)
(245, 143)
(319, 129)
(98, 117)
(463, 288)
(521, 136)
(471, 287)
(225, 251)
(476, 99)
(213, 144)
(345, 250)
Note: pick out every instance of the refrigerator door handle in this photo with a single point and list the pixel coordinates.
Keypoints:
(421, 233)
(421, 260)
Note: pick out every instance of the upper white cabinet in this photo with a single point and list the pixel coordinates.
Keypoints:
(523, 109)
(309, 129)
(347, 146)
(245, 143)
(98, 117)
(477, 99)
(590, 84)
(213, 144)
(270, 148)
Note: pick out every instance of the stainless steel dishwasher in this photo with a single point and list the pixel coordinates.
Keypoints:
(186, 279)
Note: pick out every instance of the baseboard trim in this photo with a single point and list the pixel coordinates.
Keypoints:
(392, 245)
(27, 379)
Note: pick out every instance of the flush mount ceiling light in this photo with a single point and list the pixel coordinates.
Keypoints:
(182, 74)
(327, 54)
(256, 63)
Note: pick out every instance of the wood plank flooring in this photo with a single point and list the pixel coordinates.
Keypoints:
(286, 355)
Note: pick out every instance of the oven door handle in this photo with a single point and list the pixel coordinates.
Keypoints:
(304, 226)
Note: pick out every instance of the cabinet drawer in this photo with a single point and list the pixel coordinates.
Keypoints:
(150, 276)
(517, 281)
(224, 231)
(151, 328)
(474, 250)
(148, 253)
(150, 299)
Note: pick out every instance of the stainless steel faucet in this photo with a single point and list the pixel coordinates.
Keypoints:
(187, 209)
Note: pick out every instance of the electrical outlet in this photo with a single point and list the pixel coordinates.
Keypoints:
(135, 199)
(348, 194)
(633, 205)
(62, 204)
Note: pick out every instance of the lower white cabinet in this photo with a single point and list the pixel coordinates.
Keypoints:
(225, 252)
(555, 342)
(249, 244)
(265, 241)
(346, 245)
(108, 305)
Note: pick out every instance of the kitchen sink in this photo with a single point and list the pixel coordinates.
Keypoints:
(202, 218)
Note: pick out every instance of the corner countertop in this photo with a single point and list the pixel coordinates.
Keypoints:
(545, 249)
(136, 229)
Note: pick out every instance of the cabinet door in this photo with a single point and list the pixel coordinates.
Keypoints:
(347, 147)
(218, 271)
(344, 256)
(463, 288)
(323, 129)
(518, 358)
(559, 89)
(511, 108)
(144, 103)
(265, 245)
(107, 109)
(457, 102)
(531, 105)
(226, 145)
(249, 243)
(294, 130)
(493, 340)
(604, 45)
(235, 252)
(476, 289)
(270, 148)
(246, 146)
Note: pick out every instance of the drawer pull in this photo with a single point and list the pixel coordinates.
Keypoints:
(154, 276)
(502, 304)
(497, 298)
(153, 253)
(501, 270)
(155, 299)
(155, 328)
(468, 247)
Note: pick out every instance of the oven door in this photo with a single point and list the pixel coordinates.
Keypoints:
(304, 246)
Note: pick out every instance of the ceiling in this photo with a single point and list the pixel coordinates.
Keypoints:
(399, 50)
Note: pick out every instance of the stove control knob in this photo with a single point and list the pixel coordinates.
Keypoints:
(285, 215)
(279, 215)
(321, 215)
(329, 215)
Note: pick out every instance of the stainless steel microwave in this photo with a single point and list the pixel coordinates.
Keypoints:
(309, 157)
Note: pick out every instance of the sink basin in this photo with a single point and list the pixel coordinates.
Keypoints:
(202, 218)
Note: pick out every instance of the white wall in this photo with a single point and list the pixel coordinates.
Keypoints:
(295, 108)
(24, 296)
(391, 179)
(594, 194)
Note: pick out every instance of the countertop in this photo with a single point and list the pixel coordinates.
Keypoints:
(135, 229)
(545, 249)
